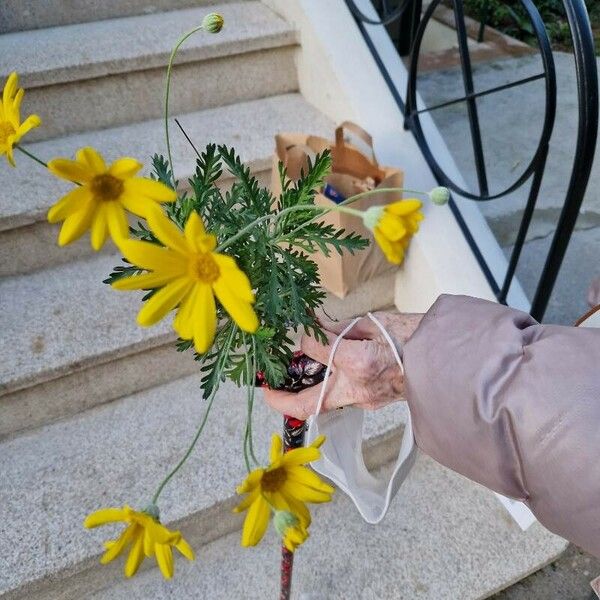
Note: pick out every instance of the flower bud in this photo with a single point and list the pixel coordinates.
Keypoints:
(283, 520)
(439, 195)
(213, 23)
(371, 216)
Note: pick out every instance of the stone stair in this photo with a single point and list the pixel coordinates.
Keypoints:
(16, 15)
(95, 410)
(117, 453)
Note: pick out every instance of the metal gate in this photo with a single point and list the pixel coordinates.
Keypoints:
(410, 20)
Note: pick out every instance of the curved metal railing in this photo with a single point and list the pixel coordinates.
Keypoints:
(415, 23)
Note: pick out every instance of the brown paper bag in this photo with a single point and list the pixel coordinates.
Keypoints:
(350, 170)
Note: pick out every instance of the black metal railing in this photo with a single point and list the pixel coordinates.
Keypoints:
(406, 22)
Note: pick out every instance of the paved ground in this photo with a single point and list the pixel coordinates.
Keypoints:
(565, 579)
(511, 122)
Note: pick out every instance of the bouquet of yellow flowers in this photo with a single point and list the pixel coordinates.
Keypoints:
(235, 268)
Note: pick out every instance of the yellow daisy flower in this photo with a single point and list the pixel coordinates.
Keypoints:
(393, 226)
(291, 530)
(102, 197)
(192, 275)
(11, 128)
(145, 536)
(286, 485)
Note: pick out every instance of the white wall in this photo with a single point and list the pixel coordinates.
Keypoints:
(340, 77)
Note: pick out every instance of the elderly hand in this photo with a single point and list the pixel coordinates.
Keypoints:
(364, 371)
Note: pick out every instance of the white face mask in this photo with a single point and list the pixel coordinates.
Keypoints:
(342, 458)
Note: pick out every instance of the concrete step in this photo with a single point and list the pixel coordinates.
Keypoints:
(118, 453)
(106, 73)
(28, 242)
(16, 15)
(74, 342)
(444, 538)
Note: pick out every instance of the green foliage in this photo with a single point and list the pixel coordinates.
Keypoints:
(510, 17)
(274, 254)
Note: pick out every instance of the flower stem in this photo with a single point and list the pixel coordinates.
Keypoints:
(350, 200)
(32, 156)
(250, 376)
(350, 211)
(244, 230)
(211, 398)
(320, 210)
(181, 40)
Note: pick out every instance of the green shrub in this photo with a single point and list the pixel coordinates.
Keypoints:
(511, 18)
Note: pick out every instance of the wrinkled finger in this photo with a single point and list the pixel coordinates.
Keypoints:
(300, 405)
(303, 404)
(364, 329)
(351, 355)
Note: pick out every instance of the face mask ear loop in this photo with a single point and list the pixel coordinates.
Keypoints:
(330, 364)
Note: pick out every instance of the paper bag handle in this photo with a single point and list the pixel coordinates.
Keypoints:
(359, 132)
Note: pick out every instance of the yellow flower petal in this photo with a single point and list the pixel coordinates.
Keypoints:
(309, 478)
(69, 204)
(70, 170)
(91, 159)
(256, 522)
(99, 229)
(125, 167)
(184, 319)
(300, 456)
(204, 318)
(393, 252)
(76, 225)
(10, 88)
(14, 112)
(404, 207)
(9, 152)
(300, 510)
(305, 494)
(113, 549)
(185, 549)
(276, 448)
(166, 231)
(196, 237)
(392, 227)
(251, 481)
(318, 441)
(194, 231)
(150, 189)
(117, 221)
(236, 278)
(164, 558)
(240, 310)
(247, 501)
(163, 301)
(153, 257)
(135, 204)
(104, 516)
(27, 125)
(136, 554)
(147, 281)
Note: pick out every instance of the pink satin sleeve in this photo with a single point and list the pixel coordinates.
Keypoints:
(513, 405)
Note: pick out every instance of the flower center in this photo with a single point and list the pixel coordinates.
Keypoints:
(6, 130)
(106, 187)
(205, 268)
(273, 480)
